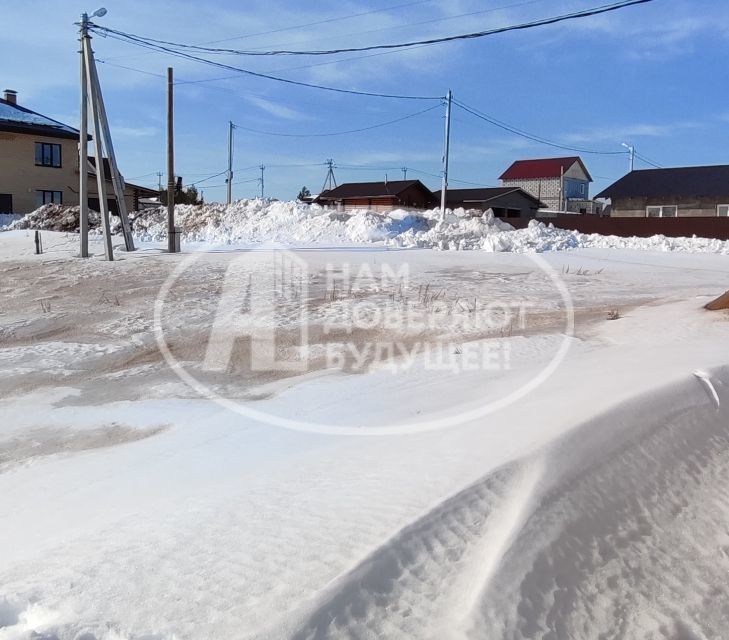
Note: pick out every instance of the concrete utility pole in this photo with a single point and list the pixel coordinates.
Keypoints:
(99, 151)
(404, 173)
(92, 100)
(229, 180)
(262, 168)
(170, 163)
(631, 151)
(83, 158)
(117, 181)
(446, 152)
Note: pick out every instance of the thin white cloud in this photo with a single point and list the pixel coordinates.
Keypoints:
(627, 132)
(276, 109)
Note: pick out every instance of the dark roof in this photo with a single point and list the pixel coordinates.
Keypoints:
(17, 119)
(542, 168)
(107, 175)
(484, 194)
(690, 182)
(370, 189)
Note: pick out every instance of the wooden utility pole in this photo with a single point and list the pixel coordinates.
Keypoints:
(170, 164)
(83, 159)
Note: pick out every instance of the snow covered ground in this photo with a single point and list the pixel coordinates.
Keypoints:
(595, 506)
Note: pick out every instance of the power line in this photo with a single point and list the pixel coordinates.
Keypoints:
(121, 66)
(410, 24)
(225, 184)
(144, 175)
(141, 42)
(324, 21)
(530, 136)
(615, 6)
(215, 175)
(646, 160)
(311, 24)
(338, 133)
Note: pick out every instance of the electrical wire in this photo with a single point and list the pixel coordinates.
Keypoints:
(647, 161)
(225, 184)
(197, 182)
(512, 129)
(615, 6)
(144, 175)
(409, 25)
(310, 24)
(121, 66)
(118, 35)
(324, 21)
(338, 133)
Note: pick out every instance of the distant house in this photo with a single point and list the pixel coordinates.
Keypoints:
(506, 202)
(562, 184)
(133, 193)
(378, 195)
(670, 193)
(39, 162)
(38, 158)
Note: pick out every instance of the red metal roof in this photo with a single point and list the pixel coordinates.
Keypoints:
(541, 168)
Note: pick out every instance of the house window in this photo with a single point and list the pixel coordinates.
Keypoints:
(6, 202)
(47, 154)
(663, 211)
(47, 197)
(722, 210)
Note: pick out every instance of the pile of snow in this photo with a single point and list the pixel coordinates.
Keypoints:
(250, 221)
(488, 234)
(8, 218)
(254, 221)
(55, 217)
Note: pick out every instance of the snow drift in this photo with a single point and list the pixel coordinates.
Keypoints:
(254, 221)
(586, 538)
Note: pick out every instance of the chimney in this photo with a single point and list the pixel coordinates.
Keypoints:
(11, 96)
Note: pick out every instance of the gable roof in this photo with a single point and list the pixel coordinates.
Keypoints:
(484, 194)
(371, 189)
(17, 119)
(542, 168)
(710, 181)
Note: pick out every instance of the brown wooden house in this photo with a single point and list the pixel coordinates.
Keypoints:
(377, 195)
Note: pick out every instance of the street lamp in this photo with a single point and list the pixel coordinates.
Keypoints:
(631, 150)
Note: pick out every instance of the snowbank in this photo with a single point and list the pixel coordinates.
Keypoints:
(253, 221)
(54, 217)
(8, 218)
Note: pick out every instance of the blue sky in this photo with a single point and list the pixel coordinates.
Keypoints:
(654, 76)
